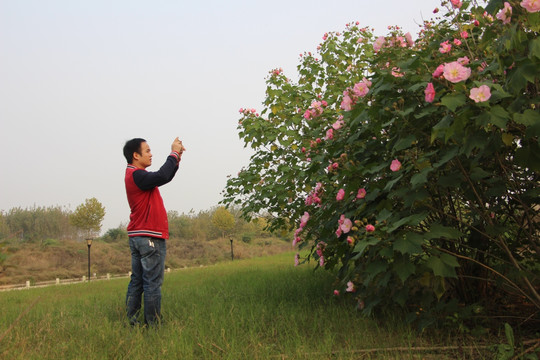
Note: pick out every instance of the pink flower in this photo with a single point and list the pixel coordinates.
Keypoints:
(336, 292)
(445, 47)
(350, 240)
(329, 134)
(296, 240)
(455, 72)
(464, 34)
(370, 228)
(429, 93)
(346, 103)
(350, 286)
(480, 94)
(362, 88)
(396, 72)
(505, 14)
(456, 3)
(378, 44)
(346, 226)
(438, 71)
(457, 42)
(463, 60)
(409, 39)
(304, 219)
(338, 124)
(531, 5)
(296, 259)
(321, 262)
(361, 193)
(340, 195)
(395, 166)
(307, 114)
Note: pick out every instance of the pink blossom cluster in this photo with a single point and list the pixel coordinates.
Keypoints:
(399, 41)
(277, 71)
(456, 3)
(505, 15)
(315, 110)
(315, 196)
(303, 221)
(332, 167)
(339, 123)
(320, 252)
(248, 112)
(351, 95)
(340, 195)
(531, 5)
(344, 225)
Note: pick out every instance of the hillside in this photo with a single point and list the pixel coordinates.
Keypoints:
(69, 259)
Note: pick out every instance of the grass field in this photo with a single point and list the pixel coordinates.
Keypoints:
(261, 308)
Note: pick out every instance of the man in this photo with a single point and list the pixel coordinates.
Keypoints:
(148, 227)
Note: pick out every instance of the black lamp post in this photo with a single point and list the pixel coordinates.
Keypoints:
(232, 254)
(89, 243)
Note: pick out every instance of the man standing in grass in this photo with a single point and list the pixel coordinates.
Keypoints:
(148, 227)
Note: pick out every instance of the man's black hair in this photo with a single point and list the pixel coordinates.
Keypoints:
(132, 146)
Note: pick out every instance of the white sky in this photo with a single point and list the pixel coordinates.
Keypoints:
(79, 78)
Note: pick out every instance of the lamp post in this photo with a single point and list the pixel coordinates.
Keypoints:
(89, 243)
(232, 254)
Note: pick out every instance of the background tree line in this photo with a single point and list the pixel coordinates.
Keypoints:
(39, 224)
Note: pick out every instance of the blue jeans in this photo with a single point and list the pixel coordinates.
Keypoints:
(147, 267)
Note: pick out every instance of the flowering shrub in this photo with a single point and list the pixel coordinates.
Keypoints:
(411, 167)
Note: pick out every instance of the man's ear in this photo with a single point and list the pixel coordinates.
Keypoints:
(136, 156)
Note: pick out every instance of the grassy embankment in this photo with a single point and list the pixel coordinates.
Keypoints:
(260, 308)
(68, 259)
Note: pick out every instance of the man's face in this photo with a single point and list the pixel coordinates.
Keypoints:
(144, 159)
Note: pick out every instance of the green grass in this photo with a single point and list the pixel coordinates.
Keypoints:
(262, 308)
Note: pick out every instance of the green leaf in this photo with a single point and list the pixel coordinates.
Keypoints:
(437, 231)
(448, 155)
(391, 183)
(499, 116)
(421, 177)
(478, 173)
(441, 267)
(453, 101)
(384, 215)
(361, 246)
(411, 243)
(404, 268)
(404, 143)
(528, 118)
(408, 220)
(534, 48)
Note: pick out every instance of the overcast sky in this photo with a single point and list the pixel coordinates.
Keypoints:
(79, 78)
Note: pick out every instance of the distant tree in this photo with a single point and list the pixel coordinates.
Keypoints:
(116, 234)
(223, 220)
(88, 217)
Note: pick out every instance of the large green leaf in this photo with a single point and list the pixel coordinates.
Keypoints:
(408, 220)
(528, 118)
(411, 243)
(437, 231)
(404, 268)
(453, 101)
(499, 116)
(443, 266)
